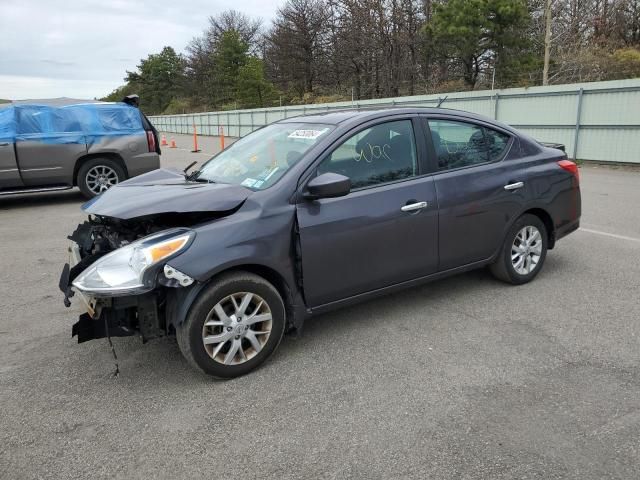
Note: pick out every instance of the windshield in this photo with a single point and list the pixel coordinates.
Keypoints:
(260, 159)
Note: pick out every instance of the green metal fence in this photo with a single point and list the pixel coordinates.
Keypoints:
(596, 121)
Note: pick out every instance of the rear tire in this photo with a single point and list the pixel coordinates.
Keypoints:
(523, 252)
(233, 326)
(97, 175)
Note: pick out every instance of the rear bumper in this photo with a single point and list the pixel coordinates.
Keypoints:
(567, 229)
(143, 163)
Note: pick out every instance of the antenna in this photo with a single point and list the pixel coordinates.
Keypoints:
(441, 101)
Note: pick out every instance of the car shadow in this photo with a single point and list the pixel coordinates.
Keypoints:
(348, 320)
(27, 200)
(160, 362)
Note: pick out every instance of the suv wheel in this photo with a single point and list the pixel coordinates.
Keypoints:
(523, 252)
(234, 325)
(98, 175)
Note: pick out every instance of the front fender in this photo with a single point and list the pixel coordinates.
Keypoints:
(248, 239)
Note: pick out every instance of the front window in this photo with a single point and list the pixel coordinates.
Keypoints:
(260, 159)
(383, 153)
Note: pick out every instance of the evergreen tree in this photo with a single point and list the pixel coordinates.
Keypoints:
(254, 90)
(160, 78)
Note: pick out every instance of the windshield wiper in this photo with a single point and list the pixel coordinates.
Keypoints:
(192, 177)
(187, 176)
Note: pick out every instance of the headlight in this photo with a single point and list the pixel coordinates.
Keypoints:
(121, 272)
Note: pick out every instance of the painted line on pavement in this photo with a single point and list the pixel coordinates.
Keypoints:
(612, 235)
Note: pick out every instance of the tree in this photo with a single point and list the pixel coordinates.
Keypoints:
(160, 78)
(254, 90)
(202, 54)
(230, 55)
(296, 43)
(547, 41)
(476, 33)
(336, 50)
(119, 93)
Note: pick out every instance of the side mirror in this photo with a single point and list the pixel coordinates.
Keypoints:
(328, 185)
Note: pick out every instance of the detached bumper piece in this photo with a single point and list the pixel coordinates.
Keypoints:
(125, 316)
(107, 325)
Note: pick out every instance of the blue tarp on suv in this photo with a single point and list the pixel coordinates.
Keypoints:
(59, 124)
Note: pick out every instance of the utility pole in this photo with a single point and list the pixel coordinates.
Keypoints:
(547, 41)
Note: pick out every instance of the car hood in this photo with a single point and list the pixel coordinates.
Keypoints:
(165, 191)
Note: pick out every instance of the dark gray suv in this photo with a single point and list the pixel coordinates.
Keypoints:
(310, 214)
(61, 143)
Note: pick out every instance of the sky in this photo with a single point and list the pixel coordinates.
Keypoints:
(83, 48)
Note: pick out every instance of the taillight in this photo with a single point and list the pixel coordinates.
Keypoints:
(570, 167)
(151, 141)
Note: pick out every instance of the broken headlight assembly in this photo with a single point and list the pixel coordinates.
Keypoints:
(124, 271)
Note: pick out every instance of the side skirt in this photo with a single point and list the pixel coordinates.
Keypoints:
(327, 307)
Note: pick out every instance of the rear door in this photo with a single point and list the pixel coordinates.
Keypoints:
(9, 174)
(49, 142)
(479, 190)
(384, 231)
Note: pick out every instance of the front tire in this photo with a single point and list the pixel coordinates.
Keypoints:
(233, 326)
(98, 175)
(523, 252)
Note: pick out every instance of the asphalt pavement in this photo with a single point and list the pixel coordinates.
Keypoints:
(463, 378)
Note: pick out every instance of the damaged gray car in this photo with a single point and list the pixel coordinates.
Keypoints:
(310, 214)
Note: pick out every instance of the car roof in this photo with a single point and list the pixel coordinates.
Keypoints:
(360, 115)
(51, 102)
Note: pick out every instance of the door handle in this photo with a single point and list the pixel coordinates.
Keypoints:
(412, 207)
(4, 144)
(514, 186)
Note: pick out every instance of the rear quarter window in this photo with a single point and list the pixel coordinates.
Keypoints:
(460, 144)
(498, 143)
(117, 119)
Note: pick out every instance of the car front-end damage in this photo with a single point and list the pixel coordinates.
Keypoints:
(119, 271)
(120, 258)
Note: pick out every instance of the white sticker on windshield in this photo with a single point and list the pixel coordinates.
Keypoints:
(308, 134)
(270, 174)
(248, 182)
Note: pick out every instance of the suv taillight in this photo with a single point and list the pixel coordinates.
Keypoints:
(151, 141)
(570, 167)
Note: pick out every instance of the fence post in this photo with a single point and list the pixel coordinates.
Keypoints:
(577, 132)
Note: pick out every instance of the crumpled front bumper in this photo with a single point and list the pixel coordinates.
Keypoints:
(105, 316)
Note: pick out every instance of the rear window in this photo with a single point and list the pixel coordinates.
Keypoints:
(116, 118)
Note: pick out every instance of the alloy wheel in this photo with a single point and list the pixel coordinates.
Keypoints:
(526, 250)
(101, 178)
(237, 328)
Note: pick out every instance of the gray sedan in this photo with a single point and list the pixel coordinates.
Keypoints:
(310, 214)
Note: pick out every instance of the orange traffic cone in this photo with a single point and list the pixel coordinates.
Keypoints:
(195, 139)
(173, 144)
(163, 142)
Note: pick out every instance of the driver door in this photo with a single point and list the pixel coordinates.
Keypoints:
(384, 231)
